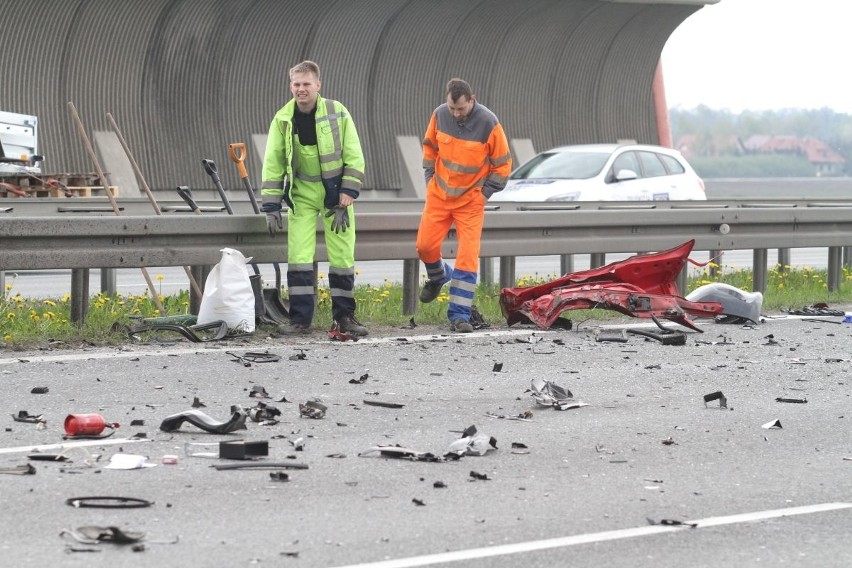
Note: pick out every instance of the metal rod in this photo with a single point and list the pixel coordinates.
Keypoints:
(91, 152)
(137, 170)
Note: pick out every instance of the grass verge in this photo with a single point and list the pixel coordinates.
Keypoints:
(26, 323)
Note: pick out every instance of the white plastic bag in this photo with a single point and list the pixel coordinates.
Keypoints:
(228, 294)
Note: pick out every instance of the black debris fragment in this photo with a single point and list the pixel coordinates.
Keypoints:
(671, 523)
(400, 452)
(40, 390)
(669, 442)
(205, 422)
(818, 309)
(24, 416)
(723, 402)
(265, 413)
(137, 422)
(300, 356)
(383, 404)
(792, 400)
(243, 450)
(96, 535)
(360, 380)
(418, 502)
(258, 391)
(102, 502)
(280, 476)
(476, 476)
(439, 485)
(773, 425)
(497, 368)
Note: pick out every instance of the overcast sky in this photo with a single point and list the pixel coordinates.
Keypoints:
(762, 54)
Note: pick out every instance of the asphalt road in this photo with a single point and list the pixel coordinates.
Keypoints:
(581, 493)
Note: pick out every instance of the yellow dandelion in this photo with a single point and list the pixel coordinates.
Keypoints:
(10, 315)
(160, 277)
(50, 303)
(35, 317)
(8, 337)
(8, 286)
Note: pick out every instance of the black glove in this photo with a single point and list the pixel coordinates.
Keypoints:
(274, 222)
(341, 218)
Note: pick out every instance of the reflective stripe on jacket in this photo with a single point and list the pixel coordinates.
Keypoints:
(341, 158)
(463, 156)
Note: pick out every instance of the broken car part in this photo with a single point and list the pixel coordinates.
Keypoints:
(399, 452)
(24, 416)
(96, 535)
(792, 400)
(312, 409)
(472, 444)
(25, 469)
(203, 421)
(383, 404)
(219, 330)
(735, 302)
(640, 286)
(242, 450)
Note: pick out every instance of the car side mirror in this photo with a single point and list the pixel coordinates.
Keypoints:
(625, 175)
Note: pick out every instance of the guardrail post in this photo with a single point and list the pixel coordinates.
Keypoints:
(108, 285)
(2, 282)
(716, 257)
(597, 259)
(566, 264)
(847, 256)
(758, 270)
(200, 273)
(507, 272)
(79, 294)
(783, 259)
(410, 281)
(486, 270)
(835, 256)
(682, 278)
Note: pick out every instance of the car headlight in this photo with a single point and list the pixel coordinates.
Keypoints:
(573, 196)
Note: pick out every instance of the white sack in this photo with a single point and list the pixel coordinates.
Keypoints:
(228, 294)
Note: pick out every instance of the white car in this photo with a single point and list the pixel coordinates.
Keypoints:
(604, 172)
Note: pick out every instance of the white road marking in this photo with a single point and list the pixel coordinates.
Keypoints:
(68, 445)
(477, 553)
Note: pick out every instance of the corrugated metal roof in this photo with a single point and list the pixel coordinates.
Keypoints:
(184, 78)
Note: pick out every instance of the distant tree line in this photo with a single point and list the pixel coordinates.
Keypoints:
(714, 140)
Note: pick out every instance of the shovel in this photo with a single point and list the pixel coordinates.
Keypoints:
(238, 156)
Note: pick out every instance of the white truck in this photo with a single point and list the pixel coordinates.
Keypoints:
(19, 144)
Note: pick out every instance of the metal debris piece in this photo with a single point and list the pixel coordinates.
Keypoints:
(300, 356)
(312, 409)
(818, 309)
(257, 391)
(669, 442)
(279, 476)
(418, 502)
(260, 465)
(497, 368)
(475, 475)
(97, 535)
(24, 469)
(792, 400)
(439, 485)
(383, 404)
(243, 450)
(250, 357)
(472, 444)
(24, 416)
(773, 425)
(137, 422)
(547, 393)
(40, 390)
(399, 452)
(723, 402)
(618, 338)
(102, 502)
(264, 413)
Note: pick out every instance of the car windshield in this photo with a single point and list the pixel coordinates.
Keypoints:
(562, 165)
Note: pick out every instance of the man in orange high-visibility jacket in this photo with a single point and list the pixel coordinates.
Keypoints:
(466, 160)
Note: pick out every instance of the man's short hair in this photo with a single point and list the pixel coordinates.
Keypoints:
(458, 88)
(306, 67)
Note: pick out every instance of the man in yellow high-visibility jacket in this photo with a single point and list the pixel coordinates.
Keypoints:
(315, 164)
(466, 159)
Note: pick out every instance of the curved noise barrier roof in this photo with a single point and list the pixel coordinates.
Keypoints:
(185, 78)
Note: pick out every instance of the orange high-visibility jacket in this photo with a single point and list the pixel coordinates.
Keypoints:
(460, 157)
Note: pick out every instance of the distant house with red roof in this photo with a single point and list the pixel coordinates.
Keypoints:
(825, 160)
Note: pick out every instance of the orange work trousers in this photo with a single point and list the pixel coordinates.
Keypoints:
(467, 212)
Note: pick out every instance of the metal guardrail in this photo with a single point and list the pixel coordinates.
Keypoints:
(61, 239)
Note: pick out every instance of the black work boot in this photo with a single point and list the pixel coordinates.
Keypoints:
(461, 326)
(348, 324)
(294, 328)
(430, 291)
